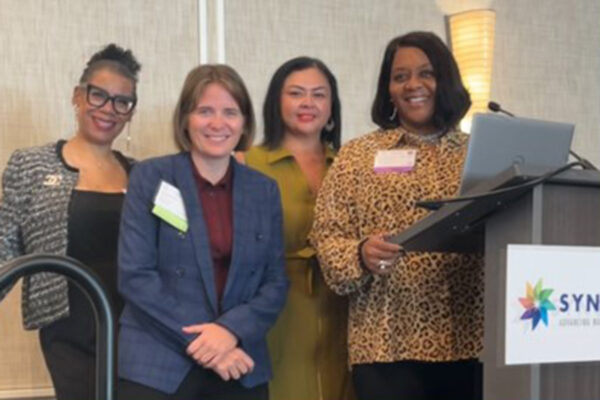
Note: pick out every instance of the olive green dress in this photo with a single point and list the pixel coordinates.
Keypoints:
(308, 344)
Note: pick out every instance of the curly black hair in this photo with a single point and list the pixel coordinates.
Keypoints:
(112, 56)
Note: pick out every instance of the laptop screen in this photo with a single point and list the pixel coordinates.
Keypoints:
(497, 142)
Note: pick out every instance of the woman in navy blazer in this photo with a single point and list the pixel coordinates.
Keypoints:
(201, 258)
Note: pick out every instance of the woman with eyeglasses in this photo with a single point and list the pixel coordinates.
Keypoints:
(65, 198)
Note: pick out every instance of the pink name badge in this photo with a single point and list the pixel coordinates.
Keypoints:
(395, 160)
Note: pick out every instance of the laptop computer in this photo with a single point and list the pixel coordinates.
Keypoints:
(497, 142)
(499, 148)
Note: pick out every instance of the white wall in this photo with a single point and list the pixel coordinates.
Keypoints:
(547, 64)
(348, 35)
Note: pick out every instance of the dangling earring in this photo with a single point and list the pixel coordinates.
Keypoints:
(329, 125)
(76, 115)
(128, 143)
(394, 113)
(76, 110)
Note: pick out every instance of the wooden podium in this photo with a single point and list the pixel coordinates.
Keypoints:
(565, 210)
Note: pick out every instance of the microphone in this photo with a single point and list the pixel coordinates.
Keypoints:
(495, 107)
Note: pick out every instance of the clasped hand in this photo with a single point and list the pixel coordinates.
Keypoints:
(215, 348)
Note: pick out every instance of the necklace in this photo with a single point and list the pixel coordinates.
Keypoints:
(105, 164)
(96, 164)
(423, 138)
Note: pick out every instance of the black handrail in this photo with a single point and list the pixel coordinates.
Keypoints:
(90, 284)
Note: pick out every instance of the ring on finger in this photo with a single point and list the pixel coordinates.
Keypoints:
(382, 265)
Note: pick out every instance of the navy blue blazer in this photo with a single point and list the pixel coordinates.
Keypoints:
(166, 277)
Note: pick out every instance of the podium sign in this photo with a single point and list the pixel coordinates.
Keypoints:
(552, 304)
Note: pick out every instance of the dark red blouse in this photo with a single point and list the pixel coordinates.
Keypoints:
(216, 201)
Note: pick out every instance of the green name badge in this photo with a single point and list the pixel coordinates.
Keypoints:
(169, 206)
(170, 218)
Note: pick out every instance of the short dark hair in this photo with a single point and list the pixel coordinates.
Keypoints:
(452, 100)
(195, 83)
(115, 58)
(274, 125)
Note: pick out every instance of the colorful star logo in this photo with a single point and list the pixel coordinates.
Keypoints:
(537, 304)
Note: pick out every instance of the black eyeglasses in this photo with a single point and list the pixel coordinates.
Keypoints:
(97, 97)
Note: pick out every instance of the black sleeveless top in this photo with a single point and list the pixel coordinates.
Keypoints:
(93, 231)
(93, 236)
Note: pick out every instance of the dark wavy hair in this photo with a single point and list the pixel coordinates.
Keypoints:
(452, 100)
(116, 59)
(274, 125)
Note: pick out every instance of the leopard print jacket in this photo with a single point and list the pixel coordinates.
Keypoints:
(430, 308)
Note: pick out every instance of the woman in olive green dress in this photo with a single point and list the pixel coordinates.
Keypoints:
(302, 133)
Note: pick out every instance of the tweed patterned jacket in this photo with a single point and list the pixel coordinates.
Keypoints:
(37, 185)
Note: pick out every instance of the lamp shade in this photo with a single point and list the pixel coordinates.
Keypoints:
(472, 43)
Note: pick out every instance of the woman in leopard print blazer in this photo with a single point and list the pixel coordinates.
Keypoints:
(416, 318)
